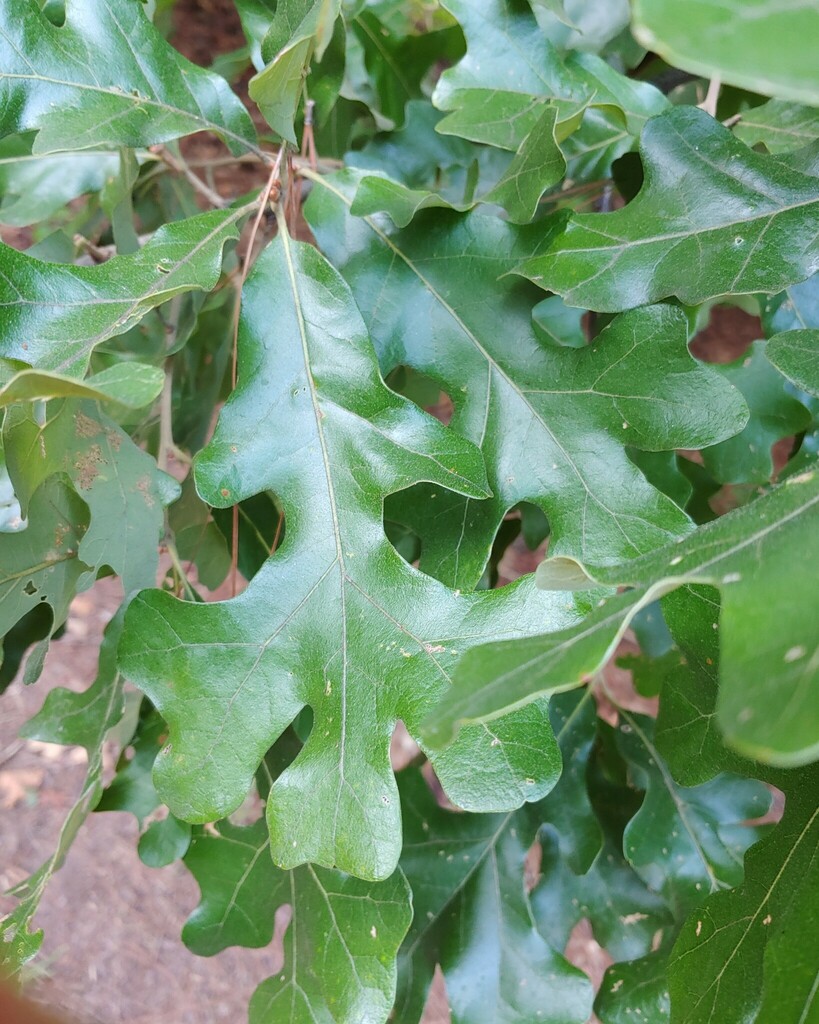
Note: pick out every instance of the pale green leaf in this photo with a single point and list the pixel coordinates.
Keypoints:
(758, 45)
(781, 126)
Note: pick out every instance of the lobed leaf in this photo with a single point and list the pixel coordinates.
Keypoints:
(335, 620)
(53, 316)
(696, 229)
(552, 422)
(756, 556)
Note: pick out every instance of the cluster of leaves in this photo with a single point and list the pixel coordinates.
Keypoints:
(520, 204)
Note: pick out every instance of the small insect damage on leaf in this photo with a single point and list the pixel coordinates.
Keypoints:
(87, 466)
(144, 488)
(84, 426)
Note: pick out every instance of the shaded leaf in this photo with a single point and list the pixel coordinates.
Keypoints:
(106, 78)
(120, 483)
(473, 918)
(746, 457)
(696, 228)
(40, 564)
(34, 187)
(54, 315)
(339, 944)
(685, 842)
(747, 954)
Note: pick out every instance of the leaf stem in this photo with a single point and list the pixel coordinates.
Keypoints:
(273, 182)
(178, 164)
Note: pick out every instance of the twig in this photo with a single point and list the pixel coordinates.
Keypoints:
(273, 182)
(178, 164)
(709, 104)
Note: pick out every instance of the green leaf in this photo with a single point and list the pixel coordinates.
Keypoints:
(537, 166)
(300, 30)
(796, 355)
(133, 385)
(198, 538)
(335, 620)
(567, 809)
(106, 78)
(749, 43)
(396, 61)
(624, 913)
(796, 307)
(496, 98)
(637, 988)
(473, 918)
(779, 125)
(34, 187)
(418, 286)
(132, 788)
(696, 228)
(757, 557)
(748, 954)
(119, 482)
(54, 315)
(685, 842)
(40, 563)
(340, 942)
(746, 457)
(70, 718)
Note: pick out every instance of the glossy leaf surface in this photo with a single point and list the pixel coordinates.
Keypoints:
(303, 632)
(706, 222)
(768, 675)
(54, 315)
(143, 92)
(340, 941)
(548, 420)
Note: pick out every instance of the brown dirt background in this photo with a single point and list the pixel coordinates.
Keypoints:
(112, 952)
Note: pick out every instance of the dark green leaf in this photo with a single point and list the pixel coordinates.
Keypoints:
(419, 285)
(335, 619)
(340, 942)
(748, 954)
(768, 631)
(106, 78)
(473, 918)
(746, 457)
(696, 228)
